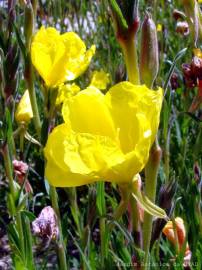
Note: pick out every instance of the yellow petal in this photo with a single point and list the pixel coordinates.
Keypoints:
(88, 113)
(57, 57)
(66, 91)
(46, 51)
(135, 160)
(126, 101)
(78, 58)
(76, 68)
(75, 159)
(24, 110)
(100, 79)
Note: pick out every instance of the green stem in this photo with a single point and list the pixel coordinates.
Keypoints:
(21, 234)
(151, 172)
(32, 94)
(103, 241)
(72, 194)
(121, 209)
(130, 56)
(61, 246)
(30, 243)
(8, 168)
(9, 173)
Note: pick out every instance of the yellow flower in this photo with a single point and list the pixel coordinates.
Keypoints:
(159, 27)
(104, 137)
(24, 109)
(100, 79)
(59, 57)
(65, 91)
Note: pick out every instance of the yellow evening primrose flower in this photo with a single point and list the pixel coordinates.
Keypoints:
(100, 79)
(24, 109)
(104, 137)
(59, 57)
(65, 91)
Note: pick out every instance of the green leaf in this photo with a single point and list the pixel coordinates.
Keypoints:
(28, 214)
(179, 55)
(118, 13)
(100, 199)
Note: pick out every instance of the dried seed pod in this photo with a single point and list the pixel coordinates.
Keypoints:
(46, 224)
(182, 28)
(149, 56)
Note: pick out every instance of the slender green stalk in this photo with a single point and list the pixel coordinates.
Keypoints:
(21, 234)
(130, 55)
(8, 168)
(121, 209)
(151, 172)
(30, 242)
(72, 194)
(32, 94)
(61, 246)
(103, 242)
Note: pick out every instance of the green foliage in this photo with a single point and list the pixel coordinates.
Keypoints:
(93, 239)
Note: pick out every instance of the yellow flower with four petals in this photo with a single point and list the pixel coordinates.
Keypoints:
(59, 57)
(104, 137)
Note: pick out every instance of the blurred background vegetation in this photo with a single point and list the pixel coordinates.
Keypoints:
(179, 137)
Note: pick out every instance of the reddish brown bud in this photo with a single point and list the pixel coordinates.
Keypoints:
(196, 66)
(20, 170)
(174, 81)
(189, 78)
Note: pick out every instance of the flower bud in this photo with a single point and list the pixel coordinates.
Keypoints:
(149, 57)
(192, 12)
(174, 81)
(24, 110)
(168, 230)
(125, 15)
(28, 23)
(196, 66)
(20, 170)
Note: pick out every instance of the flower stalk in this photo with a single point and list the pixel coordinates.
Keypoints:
(60, 246)
(151, 172)
(130, 55)
(29, 76)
